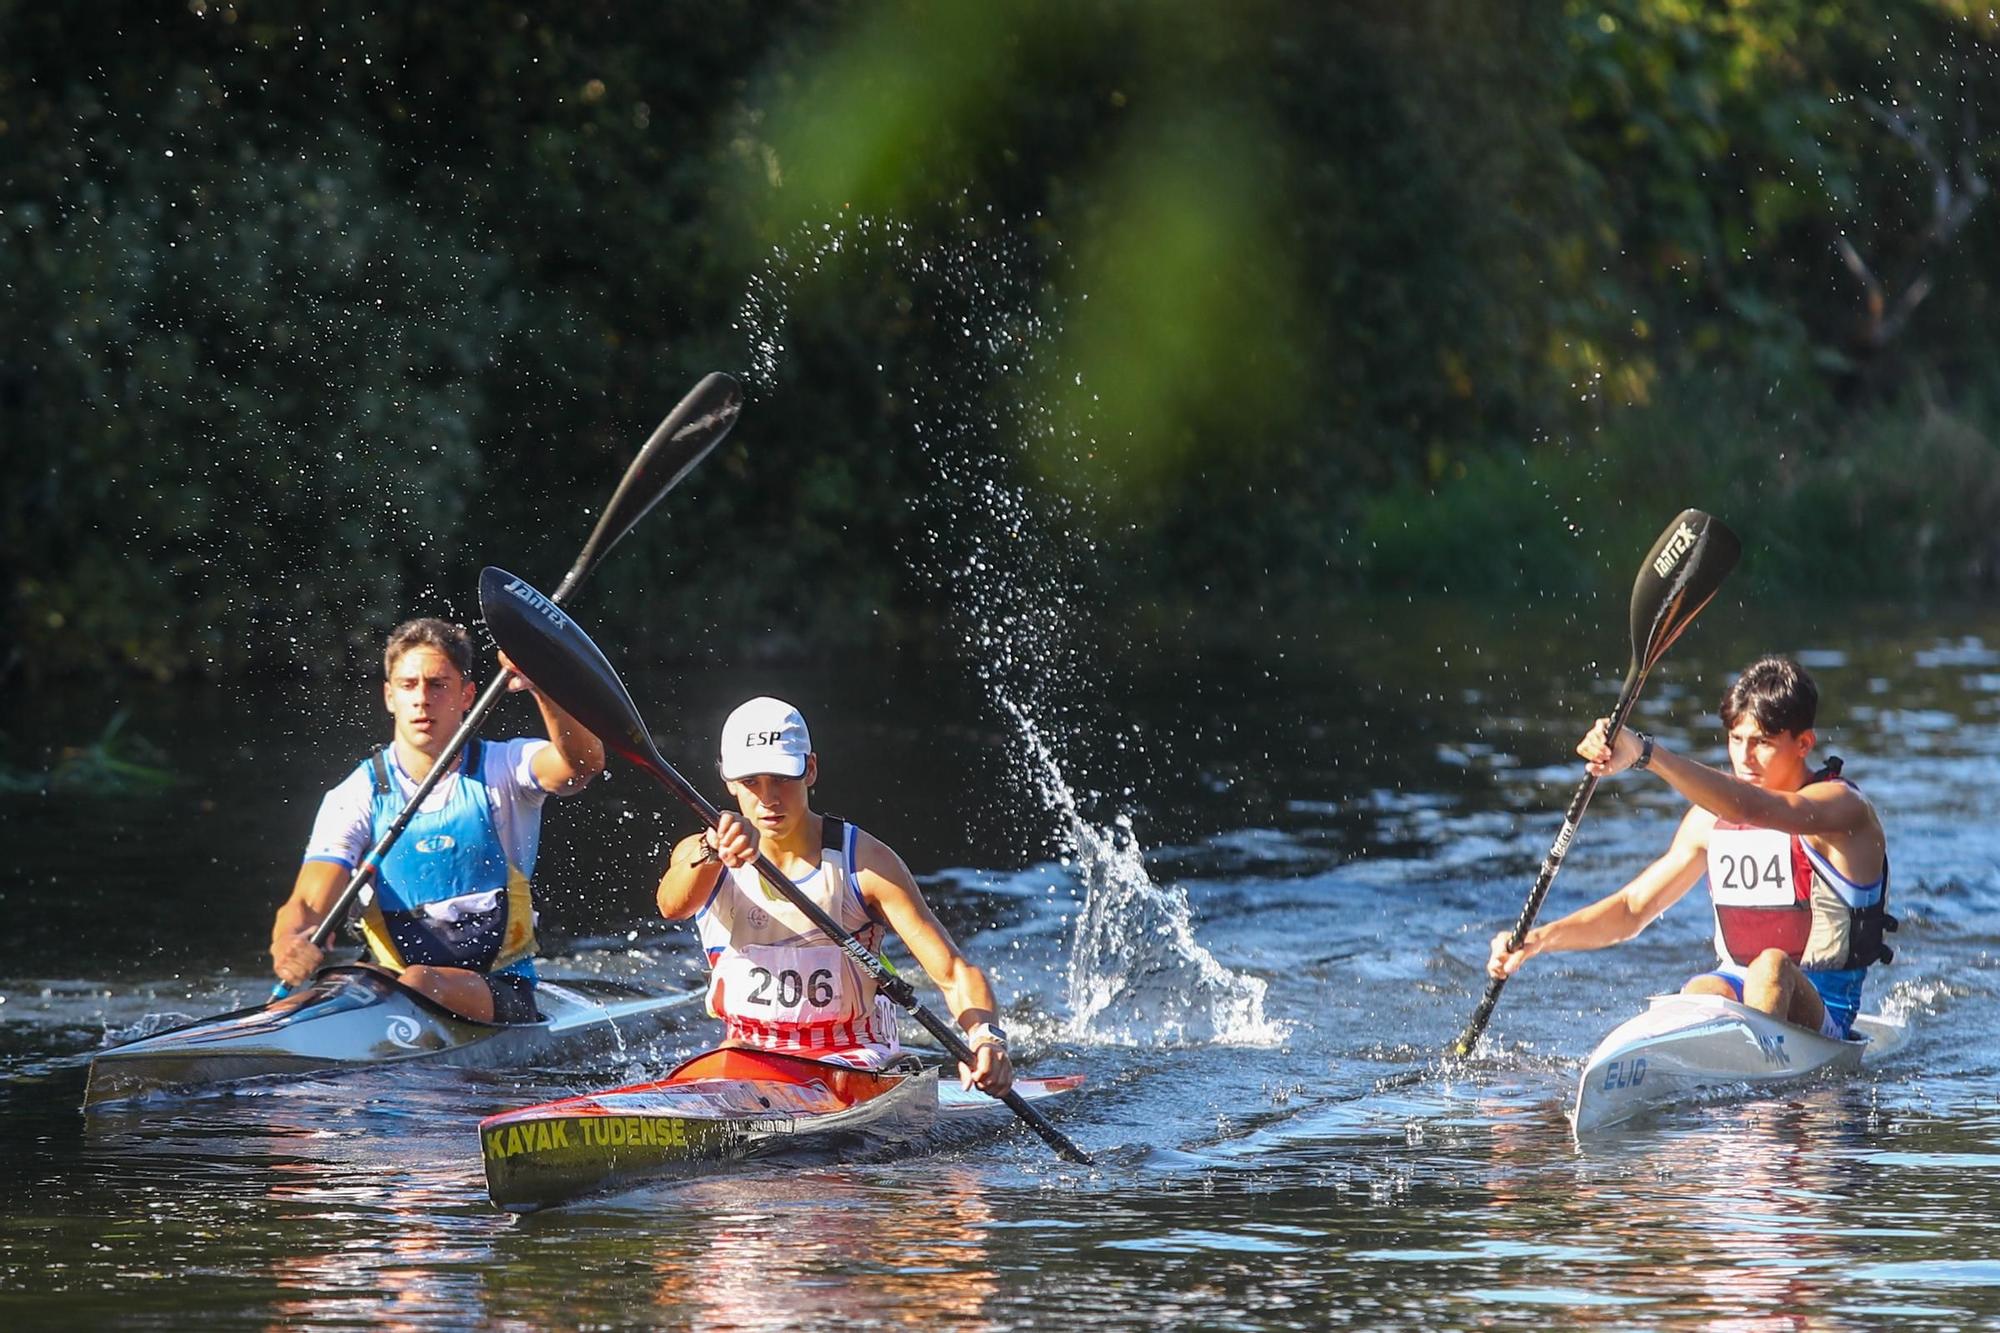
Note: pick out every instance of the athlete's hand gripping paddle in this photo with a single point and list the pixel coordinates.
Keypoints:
(696, 425)
(1682, 572)
(548, 645)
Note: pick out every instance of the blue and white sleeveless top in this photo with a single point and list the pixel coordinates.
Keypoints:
(454, 891)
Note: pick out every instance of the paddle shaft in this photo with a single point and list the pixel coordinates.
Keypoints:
(895, 987)
(1551, 864)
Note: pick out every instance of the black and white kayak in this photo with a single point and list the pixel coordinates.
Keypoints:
(1686, 1048)
(351, 1018)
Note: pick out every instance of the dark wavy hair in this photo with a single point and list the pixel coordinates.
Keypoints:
(429, 632)
(1777, 692)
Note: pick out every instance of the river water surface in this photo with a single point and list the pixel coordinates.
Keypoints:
(1246, 893)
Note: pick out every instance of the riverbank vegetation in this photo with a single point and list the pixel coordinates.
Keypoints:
(313, 316)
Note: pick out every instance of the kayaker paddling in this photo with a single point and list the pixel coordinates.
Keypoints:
(452, 912)
(1796, 859)
(777, 981)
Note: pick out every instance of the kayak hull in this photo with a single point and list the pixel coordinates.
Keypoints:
(1687, 1047)
(722, 1106)
(351, 1018)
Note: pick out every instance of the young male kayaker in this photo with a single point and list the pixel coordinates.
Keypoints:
(776, 981)
(452, 912)
(1797, 865)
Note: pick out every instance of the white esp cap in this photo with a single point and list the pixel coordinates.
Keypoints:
(765, 735)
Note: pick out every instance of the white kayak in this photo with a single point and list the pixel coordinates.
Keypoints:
(350, 1018)
(1686, 1047)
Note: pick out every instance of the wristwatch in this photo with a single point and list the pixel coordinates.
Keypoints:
(986, 1034)
(1645, 750)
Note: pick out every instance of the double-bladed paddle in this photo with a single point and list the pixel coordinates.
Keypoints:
(696, 425)
(560, 658)
(1682, 572)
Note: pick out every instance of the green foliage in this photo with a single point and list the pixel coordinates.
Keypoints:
(315, 315)
(1879, 501)
(1727, 152)
(1179, 324)
(1496, 524)
(261, 365)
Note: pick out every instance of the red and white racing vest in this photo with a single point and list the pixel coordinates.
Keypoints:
(1773, 891)
(776, 980)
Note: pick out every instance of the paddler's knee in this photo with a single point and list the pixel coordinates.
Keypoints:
(1771, 965)
(457, 989)
(1772, 982)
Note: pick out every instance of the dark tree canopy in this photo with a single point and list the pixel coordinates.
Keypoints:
(313, 312)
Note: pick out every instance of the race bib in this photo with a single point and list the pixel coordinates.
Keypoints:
(787, 986)
(1753, 868)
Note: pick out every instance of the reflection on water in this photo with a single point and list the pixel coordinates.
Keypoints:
(808, 1249)
(1737, 1223)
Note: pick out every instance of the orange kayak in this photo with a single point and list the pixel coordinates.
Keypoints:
(721, 1106)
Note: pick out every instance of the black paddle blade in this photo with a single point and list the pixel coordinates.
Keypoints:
(1681, 573)
(551, 649)
(695, 426)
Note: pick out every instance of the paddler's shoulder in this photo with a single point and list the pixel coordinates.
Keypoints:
(873, 856)
(358, 779)
(1832, 787)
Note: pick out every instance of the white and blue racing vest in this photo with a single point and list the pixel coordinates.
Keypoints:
(447, 895)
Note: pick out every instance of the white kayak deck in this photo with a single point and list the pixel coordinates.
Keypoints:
(1685, 1048)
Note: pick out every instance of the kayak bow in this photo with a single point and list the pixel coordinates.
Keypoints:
(1685, 1047)
(721, 1106)
(350, 1018)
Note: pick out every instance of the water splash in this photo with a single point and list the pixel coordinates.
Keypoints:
(1137, 974)
(764, 313)
(1019, 565)
(148, 1025)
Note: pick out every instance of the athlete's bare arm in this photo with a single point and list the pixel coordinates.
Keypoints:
(573, 757)
(293, 957)
(1833, 815)
(1619, 916)
(692, 872)
(891, 892)
(689, 879)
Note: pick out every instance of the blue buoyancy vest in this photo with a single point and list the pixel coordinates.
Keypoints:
(446, 895)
